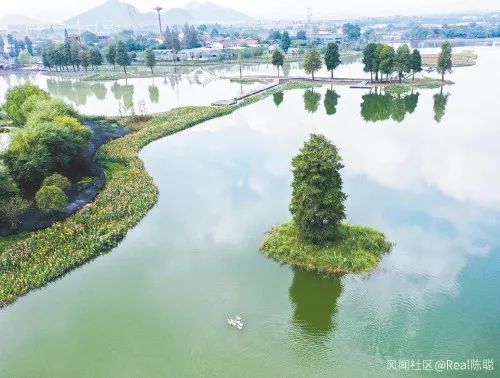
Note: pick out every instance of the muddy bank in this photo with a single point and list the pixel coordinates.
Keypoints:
(88, 179)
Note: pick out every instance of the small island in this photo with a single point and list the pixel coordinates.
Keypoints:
(317, 238)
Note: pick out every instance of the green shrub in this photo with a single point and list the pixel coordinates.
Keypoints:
(51, 199)
(16, 97)
(48, 109)
(28, 165)
(8, 186)
(57, 180)
(36, 151)
(12, 208)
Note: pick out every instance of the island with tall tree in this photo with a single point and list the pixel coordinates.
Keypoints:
(317, 238)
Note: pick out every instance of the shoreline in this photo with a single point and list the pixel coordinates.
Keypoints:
(129, 193)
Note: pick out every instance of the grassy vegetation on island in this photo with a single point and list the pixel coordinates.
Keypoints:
(41, 256)
(357, 249)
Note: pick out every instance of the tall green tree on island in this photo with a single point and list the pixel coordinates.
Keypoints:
(317, 204)
(332, 57)
(402, 61)
(122, 57)
(444, 63)
(111, 55)
(312, 62)
(150, 59)
(278, 60)
(416, 62)
(285, 41)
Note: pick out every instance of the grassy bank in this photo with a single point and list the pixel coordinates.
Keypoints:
(358, 249)
(424, 83)
(34, 259)
(459, 59)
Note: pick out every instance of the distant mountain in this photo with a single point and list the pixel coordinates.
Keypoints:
(209, 12)
(17, 19)
(176, 16)
(116, 12)
(113, 12)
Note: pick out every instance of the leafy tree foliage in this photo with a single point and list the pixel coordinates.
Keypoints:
(370, 59)
(301, 34)
(88, 38)
(16, 97)
(110, 54)
(285, 41)
(332, 57)
(11, 210)
(386, 55)
(51, 199)
(122, 57)
(150, 59)
(317, 204)
(444, 63)
(352, 31)
(312, 62)
(402, 61)
(416, 62)
(57, 180)
(94, 57)
(277, 59)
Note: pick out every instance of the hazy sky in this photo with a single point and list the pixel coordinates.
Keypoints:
(57, 10)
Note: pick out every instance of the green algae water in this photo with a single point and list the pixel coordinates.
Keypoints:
(422, 167)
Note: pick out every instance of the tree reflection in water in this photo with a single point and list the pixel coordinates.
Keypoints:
(439, 107)
(278, 98)
(311, 100)
(314, 299)
(331, 101)
(377, 107)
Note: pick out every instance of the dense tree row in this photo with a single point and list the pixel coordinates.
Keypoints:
(383, 59)
(16, 46)
(72, 53)
(471, 30)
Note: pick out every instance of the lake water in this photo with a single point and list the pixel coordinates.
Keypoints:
(422, 167)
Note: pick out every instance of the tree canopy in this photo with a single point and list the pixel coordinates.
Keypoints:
(285, 41)
(332, 56)
(317, 204)
(277, 60)
(444, 63)
(122, 57)
(312, 62)
(150, 59)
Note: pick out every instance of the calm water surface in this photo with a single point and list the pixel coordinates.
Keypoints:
(422, 167)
